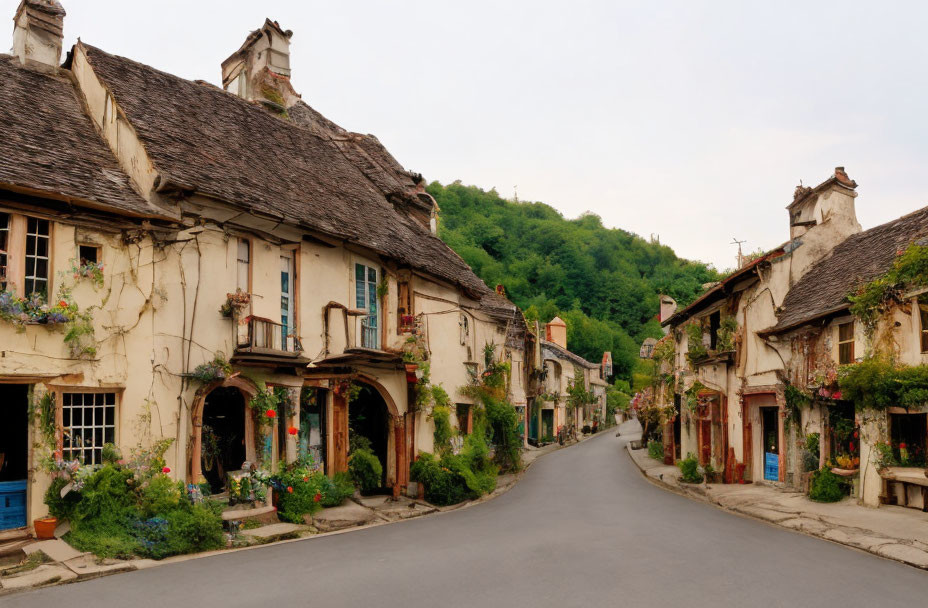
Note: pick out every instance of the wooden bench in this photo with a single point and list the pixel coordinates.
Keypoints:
(906, 477)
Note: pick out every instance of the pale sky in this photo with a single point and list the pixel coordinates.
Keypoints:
(689, 120)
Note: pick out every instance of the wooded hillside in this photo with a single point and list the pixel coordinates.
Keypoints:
(604, 282)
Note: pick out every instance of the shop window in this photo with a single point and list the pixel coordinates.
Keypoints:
(37, 256)
(908, 438)
(88, 422)
(846, 343)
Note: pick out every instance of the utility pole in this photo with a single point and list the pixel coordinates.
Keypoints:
(740, 255)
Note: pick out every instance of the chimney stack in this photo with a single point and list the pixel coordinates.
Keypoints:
(260, 69)
(556, 331)
(38, 34)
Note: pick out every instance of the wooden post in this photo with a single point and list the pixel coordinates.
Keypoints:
(339, 433)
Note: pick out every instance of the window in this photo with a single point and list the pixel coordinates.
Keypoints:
(286, 296)
(243, 265)
(846, 343)
(715, 321)
(88, 421)
(4, 244)
(37, 241)
(462, 411)
(922, 309)
(365, 286)
(88, 254)
(404, 314)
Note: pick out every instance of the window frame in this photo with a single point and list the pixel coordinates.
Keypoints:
(61, 391)
(849, 342)
(5, 239)
(97, 248)
(34, 277)
(239, 241)
(367, 299)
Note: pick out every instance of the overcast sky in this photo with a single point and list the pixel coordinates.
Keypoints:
(689, 120)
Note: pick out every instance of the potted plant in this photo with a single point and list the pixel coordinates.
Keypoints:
(45, 527)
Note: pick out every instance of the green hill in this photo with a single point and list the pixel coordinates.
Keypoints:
(604, 282)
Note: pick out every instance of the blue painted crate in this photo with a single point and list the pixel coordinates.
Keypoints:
(771, 467)
(12, 504)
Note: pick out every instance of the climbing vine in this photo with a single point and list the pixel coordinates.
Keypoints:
(871, 300)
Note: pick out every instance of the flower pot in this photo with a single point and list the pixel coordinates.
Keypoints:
(45, 527)
(411, 369)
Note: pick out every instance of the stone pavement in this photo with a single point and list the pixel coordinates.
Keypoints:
(893, 532)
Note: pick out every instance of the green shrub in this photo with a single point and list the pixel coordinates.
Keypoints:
(337, 489)
(656, 450)
(441, 418)
(689, 467)
(365, 469)
(442, 485)
(59, 507)
(826, 486)
(118, 514)
(299, 493)
(503, 421)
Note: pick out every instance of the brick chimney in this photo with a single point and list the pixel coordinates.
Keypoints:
(260, 69)
(38, 33)
(556, 331)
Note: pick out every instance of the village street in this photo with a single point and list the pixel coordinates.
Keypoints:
(582, 528)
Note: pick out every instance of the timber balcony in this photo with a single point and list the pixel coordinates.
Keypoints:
(260, 340)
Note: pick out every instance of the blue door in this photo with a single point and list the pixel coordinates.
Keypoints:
(14, 454)
(12, 504)
(771, 466)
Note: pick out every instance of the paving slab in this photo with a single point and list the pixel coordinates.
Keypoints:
(273, 531)
(43, 575)
(57, 550)
(346, 516)
(372, 502)
(87, 566)
(405, 511)
(904, 553)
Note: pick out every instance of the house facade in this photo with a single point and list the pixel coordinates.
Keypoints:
(727, 378)
(170, 250)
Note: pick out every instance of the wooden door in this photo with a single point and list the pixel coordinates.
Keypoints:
(339, 434)
(705, 441)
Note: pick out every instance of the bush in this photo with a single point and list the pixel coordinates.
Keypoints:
(503, 421)
(826, 486)
(337, 489)
(119, 514)
(689, 467)
(299, 493)
(365, 469)
(586, 429)
(442, 485)
(656, 450)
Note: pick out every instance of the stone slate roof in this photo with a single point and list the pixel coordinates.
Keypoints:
(202, 139)
(550, 350)
(304, 170)
(50, 146)
(859, 259)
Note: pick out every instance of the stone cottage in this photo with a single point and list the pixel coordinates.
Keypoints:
(170, 249)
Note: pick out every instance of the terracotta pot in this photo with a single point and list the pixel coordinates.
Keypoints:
(45, 527)
(411, 373)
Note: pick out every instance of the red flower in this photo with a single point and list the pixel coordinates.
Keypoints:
(850, 446)
(317, 497)
(165, 470)
(63, 304)
(306, 479)
(856, 434)
(290, 489)
(270, 413)
(836, 395)
(902, 446)
(293, 430)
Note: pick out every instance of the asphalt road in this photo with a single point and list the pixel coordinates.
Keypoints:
(583, 528)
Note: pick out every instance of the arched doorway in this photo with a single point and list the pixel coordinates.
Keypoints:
(223, 436)
(369, 420)
(227, 403)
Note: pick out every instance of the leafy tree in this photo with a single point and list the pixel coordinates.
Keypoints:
(604, 282)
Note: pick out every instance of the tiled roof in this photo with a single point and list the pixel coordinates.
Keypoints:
(49, 145)
(859, 259)
(305, 170)
(558, 352)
